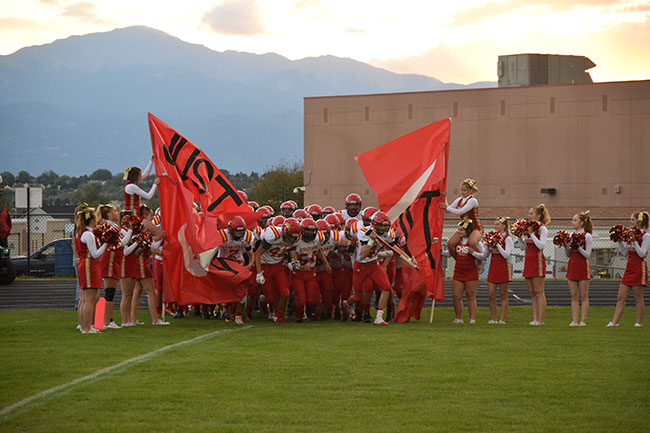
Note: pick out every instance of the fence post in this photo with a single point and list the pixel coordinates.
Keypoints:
(29, 230)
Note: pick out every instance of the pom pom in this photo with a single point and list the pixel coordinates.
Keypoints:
(143, 239)
(493, 238)
(562, 238)
(631, 235)
(108, 234)
(519, 228)
(133, 222)
(534, 225)
(577, 241)
(616, 233)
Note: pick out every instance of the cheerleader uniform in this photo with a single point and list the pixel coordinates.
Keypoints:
(134, 265)
(534, 261)
(111, 262)
(636, 268)
(89, 270)
(578, 268)
(466, 208)
(465, 268)
(499, 271)
(133, 193)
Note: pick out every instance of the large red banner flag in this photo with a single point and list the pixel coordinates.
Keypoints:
(195, 274)
(409, 175)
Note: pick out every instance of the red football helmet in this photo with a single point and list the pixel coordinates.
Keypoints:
(367, 214)
(264, 219)
(301, 214)
(328, 210)
(254, 205)
(348, 226)
(341, 218)
(237, 227)
(324, 227)
(278, 221)
(287, 208)
(309, 229)
(270, 211)
(353, 204)
(315, 211)
(380, 222)
(332, 221)
(291, 230)
(243, 195)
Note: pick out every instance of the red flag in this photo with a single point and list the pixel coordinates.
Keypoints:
(409, 175)
(186, 174)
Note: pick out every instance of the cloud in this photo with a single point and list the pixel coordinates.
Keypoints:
(619, 51)
(491, 9)
(12, 23)
(235, 17)
(351, 30)
(83, 11)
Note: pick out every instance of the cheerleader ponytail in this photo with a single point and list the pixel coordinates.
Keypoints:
(83, 217)
(642, 220)
(544, 214)
(504, 221)
(471, 185)
(587, 224)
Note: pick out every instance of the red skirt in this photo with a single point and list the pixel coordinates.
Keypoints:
(89, 273)
(135, 266)
(534, 262)
(111, 263)
(499, 271)
(578, 268)
(636, 270)
(465, 268)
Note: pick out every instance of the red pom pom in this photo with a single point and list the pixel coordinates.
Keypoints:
(578, 241)
(520, 227)
(493, 238)
(562, 238)
(616, 233)
(108, 234)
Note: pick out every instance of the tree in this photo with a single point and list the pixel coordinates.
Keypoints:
(48, 177)
(101, 174)
(8, 178)
(89, 194)
(24, 177)
(276, 185)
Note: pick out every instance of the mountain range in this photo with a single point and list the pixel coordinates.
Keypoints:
(81, 103)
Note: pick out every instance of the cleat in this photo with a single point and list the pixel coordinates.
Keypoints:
(159, 322)
(239, 320)
(367, 318)
(179, 314)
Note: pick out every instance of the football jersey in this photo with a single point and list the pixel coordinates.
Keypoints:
(234, 249)
(363, 238)
(279, 248)
(307, 251)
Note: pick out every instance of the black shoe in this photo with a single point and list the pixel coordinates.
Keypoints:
(206, 316)
(337, 314)
(367, 318)
(179, 314)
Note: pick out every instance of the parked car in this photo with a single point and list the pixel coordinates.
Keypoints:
(52, 259)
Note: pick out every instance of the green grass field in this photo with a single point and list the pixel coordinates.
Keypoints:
(328, 376)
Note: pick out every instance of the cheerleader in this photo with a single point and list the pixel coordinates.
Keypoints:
(132, 192)
(636, 270)
(136, 267)
(466, 206)
(465, 277)
(111, 262)
(579, 272)
(535, 262)
(89, 268)
(499, 275)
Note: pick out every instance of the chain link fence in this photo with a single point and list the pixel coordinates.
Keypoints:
(41, 244)
(606, 261)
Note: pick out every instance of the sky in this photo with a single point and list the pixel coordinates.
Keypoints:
(453, 41)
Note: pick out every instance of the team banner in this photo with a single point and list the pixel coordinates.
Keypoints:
(409, 175)
(186, 174)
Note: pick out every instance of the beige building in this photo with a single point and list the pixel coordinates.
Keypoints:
(571, 146)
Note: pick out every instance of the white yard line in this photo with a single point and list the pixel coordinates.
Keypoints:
(107, 371)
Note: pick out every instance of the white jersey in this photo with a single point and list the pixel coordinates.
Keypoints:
(307, 251)
(277, 253)
(330, 252)
(347, 216)
(234, 249)
(363, 238)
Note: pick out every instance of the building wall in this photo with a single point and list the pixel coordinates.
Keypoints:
(585, 140)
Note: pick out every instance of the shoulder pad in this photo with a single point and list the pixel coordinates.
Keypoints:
(335, 235)
(222, 232)
(249, 236)
(321, 236)
(275, 231)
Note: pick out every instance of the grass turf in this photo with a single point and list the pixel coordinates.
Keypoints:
(330, 376)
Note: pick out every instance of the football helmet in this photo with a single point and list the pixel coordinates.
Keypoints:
(367, 214)
(353, 204)
(291, 231)
(380, 222)
(237, 228)
(309, 229)
(301, 214)
(315, 211)
(332, 221)
(327, 210)
(277, 221)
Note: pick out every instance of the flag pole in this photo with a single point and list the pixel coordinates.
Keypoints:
(433, 306)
